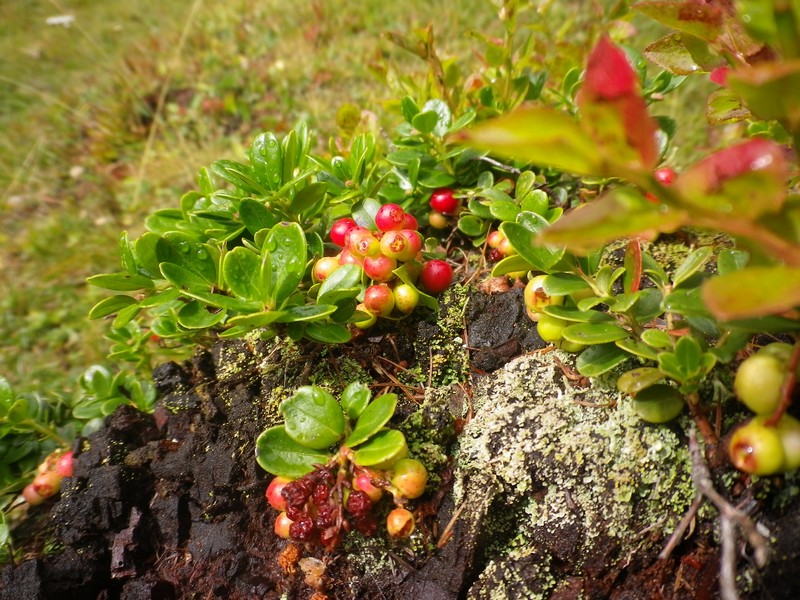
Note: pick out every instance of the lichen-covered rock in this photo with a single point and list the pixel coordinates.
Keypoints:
(562, 483)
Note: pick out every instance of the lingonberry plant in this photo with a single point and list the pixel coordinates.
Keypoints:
(333, 463)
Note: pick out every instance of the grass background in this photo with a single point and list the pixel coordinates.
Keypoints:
(107, 119)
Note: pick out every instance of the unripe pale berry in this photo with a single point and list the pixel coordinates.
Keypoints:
(324, 267)
(409, 477)
(379, 268)
(536, 299)
(757, 449)
(437, 220)
(406, 298)
(282, 525)
(47, 484)
(30, 495)
(551, 329)
(64, 464)
(379, 300)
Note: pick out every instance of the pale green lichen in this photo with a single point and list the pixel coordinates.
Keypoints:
(596, 469)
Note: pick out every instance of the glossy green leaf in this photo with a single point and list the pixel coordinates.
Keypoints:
(511, 264)
(125, 315)
(183, 277)
(701, 20)
(687, 363)
(127, 259)
(364, 211)
(222, 301)
(144, 251)
(328, 333)
(536, 201)
(540, 136)
(770, 290)
(189, 254)
(580, 316)
(313, 417)
(479, 207)
(307, 197)
(409, 108)
(504, 210)
(309, 312)
(239, 175)
(6, 394)
(691, 264)
(383, 448)
(592, 334)
(437, 179)
(243, 275)
(771, 89)
(563, 284)
(286, 245)
(164, 220)
(254, 320)
(597, 360)
(355, 398)
(635, 380)
(730, 261)
(266, 162)
(109, 306)
(681, 54)
(372, 419)
(256, 216)
(472, 226)
(648, 305)
(344, 282)
(525, 239)
(195, 315)
(120, 282)
(444, 117)
(279, 454)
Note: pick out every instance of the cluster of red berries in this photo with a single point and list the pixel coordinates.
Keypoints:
(379, 253)
(325, 504)
(47, 482)
(499, 246)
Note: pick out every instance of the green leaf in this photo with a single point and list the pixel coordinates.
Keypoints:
(525, 239)
(725, 106)
(266, 160)
(254, 320)
(310, 312)
(111, 305)
(425, 122)
(541, 136)
(680, 54)
(344, 282)
(221, 301)
(162, 221)
(189, 254)
(730, 261)
(144, 250)
(256, 216)
(125, 316)
(355, 398)
(504, 210)
(597, 360)
(564, 284)
(594, 333)
(691, 264)
(313, 417)
(307, 197)
(328, 333)
(286, 245)
(126, 254)
(686, 302)
(195, 315)
(182, 277)
(657, 338)
(635, 380)
(120, 282)
(511, 264)
(770, 89)
(701, 20)
(383, 449)
(770, 291)
(479, 207)
(437, 179)
(621, 212)
(472, 226)
(6, 393)
(364, 211)
(687, 363)
(279, 454)
(444, 117)
(409, 108)
(242, 272)
(637, 349)
(374, 417)
(580, 316)
(536, 202)
(239, 175)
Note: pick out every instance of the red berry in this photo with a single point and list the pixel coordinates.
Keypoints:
(410, 222)
(414, 240)
(390, 217)
(443, 201)
(363, 482)
(379, 300)
(436, 276)
(395, 245)
(339, 230)
(47, 484)
(274, 493)
(665, 176)
(64, 464)
(348, 258)
(379, 268)
(30, 495)
(360, 242)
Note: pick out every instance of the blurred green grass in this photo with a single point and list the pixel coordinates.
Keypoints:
(80, 160)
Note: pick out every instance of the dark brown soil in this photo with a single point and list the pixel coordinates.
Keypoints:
(171, 505)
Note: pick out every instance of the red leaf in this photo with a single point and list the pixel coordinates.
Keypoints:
(611, 82)
(609, 75)
(757, 154)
